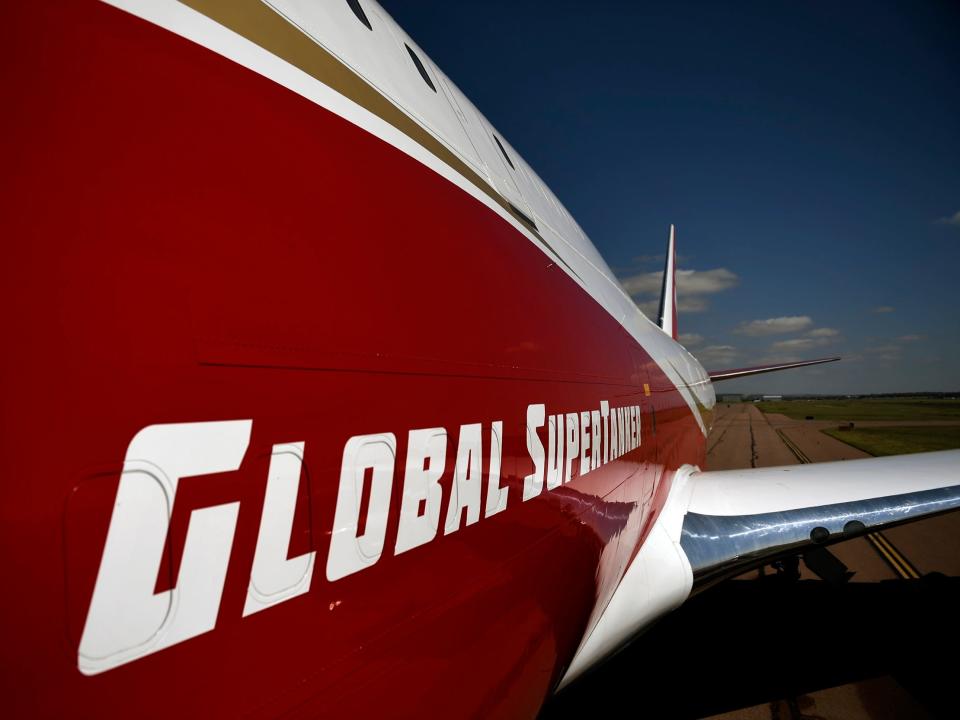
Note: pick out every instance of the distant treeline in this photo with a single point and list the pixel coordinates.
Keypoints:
(879, 396)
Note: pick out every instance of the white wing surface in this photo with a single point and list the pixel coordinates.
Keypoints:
(738, 518)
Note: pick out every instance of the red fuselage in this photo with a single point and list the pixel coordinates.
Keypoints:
(187, 241)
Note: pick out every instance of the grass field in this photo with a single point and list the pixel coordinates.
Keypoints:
(906, 410)
(900, 440)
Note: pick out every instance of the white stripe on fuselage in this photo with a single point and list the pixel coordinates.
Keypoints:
(196, 27)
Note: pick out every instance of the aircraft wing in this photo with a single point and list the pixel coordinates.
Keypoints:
(736, 519)
(717, 524)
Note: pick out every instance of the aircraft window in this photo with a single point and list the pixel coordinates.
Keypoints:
(358, 11)
(523, 215)
(421, 68)
(505, 156)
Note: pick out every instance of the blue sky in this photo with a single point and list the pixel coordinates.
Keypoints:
(809, 154)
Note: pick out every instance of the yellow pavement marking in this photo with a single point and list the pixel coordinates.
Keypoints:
(878, 541)
(894, 556)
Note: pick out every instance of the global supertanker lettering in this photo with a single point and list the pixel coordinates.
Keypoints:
(533, 483)
(275, 577)
(554, 452)
(605, 414)
(496, 494)
(595, 439)
(573, 444)
(465, 490)
(127, 620)
(621, 431)
(356, 543)
(577, 443)
(585, 442)
(422, 494)
(614, 435)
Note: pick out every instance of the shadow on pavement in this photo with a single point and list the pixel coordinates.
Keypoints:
(748, 642)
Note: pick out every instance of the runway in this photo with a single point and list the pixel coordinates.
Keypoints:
(745, 437)
(761, 647)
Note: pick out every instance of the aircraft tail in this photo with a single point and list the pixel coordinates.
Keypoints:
(667, 317)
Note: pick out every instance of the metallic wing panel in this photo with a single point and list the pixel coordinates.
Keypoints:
(738, 519)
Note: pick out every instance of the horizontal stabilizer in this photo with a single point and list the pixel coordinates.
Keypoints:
(717, 375)
(738, 519)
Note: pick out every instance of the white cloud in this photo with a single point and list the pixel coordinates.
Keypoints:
(716, 355)
(774, 326)
(639, 262)
(911, 338)
(650, 308)
(952, 220)
(642, 284)
(689, 340)
(692, 288)
(705, 282)
(806, 343)
(795, 344)
(817, 337)
(881, 309)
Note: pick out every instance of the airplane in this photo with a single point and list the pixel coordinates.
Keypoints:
(318, 402)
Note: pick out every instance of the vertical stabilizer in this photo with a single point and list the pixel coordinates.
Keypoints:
(667, 317)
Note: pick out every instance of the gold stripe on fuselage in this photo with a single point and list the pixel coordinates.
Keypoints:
(263, 26)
